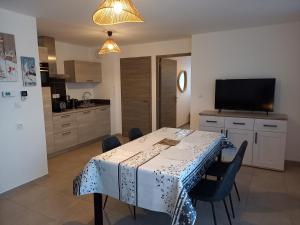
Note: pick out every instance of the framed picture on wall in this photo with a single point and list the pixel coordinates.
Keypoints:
(28, 71)
(8, 58)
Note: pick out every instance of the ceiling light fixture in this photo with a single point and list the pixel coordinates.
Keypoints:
(112, 12)
(109, 46)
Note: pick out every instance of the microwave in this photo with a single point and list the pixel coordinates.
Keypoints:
(44, 70)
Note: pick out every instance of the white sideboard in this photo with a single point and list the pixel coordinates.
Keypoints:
(266, 136)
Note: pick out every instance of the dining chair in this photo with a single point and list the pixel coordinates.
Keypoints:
(217, 190)
(134, 133)
(219, 168)
(107, 145)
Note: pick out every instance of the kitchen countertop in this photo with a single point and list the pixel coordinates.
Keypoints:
(80, 109)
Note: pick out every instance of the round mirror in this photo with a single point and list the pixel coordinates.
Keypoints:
(182, 81)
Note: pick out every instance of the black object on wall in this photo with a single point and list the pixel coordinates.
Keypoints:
(58, 86)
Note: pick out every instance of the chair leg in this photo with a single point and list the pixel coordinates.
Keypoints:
(214, 213)
(134, 213)
(105, 202)
(230, 199)
(228, 216)
(237, 191)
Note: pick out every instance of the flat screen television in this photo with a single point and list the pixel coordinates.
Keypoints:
(245, 94)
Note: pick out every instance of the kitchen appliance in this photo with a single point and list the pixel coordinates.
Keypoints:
(73, 103)
(44, 71)
(245, 94)
(59, 106)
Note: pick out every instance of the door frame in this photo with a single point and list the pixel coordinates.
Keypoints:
(158, 83)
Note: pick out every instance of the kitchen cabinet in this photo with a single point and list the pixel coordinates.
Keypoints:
(86, 125)
(65, 131)
(266, 137)
(102, 122)
(43, 54)
(83, 72)
(80, 126)
(47, 107)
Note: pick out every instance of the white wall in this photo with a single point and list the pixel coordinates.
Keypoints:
(23, 151)
(269, 51)
(183, 99)
(66, 51)
(111, 73)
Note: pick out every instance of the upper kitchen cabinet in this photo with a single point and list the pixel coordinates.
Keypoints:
(83, 72)
(43, 54)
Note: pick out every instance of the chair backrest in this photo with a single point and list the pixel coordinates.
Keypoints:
(241, 153)
(110, 143)
(134, 133)
(225, 185)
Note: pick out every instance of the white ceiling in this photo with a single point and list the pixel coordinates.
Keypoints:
(70, 20)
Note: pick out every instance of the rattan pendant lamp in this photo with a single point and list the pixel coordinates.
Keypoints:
(112, 12)
(109, 46)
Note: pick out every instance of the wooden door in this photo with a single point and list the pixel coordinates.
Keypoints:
(237, 136)
(268, 150)
(136, 94)
(167, 106)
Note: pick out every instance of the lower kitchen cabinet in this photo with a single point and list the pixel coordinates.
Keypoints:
(80, 126)
(65, 139)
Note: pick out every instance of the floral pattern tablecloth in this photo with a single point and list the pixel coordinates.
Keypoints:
(153, 176)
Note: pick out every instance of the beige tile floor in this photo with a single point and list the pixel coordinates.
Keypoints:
(268, 198)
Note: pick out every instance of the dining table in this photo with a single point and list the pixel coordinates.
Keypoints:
(154, 172)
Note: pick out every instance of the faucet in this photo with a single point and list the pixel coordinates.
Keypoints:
(86, 96)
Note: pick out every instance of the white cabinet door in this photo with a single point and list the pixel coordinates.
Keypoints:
(237, 136)
(268, 150)
(212, 129)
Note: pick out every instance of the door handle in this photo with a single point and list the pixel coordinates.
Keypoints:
(255, 138)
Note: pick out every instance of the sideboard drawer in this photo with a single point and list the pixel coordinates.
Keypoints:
(211, 121)
(270, 125)
(239, 123)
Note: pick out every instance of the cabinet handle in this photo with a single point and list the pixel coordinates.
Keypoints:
(270, 125)
(89, 80)
(66, 125)
(65, 116)
(211, 121)
(237, 123)
(226, 133)
(221, 131)
(255, 138)
(66, 133)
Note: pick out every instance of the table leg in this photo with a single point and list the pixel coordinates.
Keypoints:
(98, 209)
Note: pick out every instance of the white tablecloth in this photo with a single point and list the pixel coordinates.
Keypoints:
(153, 176)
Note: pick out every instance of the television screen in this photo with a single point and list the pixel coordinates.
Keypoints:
(245, 94)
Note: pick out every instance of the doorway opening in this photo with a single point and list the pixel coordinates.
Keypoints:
(173, 92)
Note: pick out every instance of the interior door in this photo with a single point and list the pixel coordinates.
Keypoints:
(237, 136)
(167, 106)
(136, 94)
